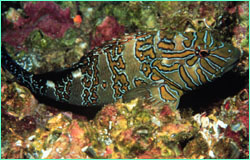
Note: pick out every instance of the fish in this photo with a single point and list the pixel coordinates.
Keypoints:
(157, 66)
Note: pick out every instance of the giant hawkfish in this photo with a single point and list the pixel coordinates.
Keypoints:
(158, 66)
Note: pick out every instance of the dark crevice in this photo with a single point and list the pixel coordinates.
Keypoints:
(201, 100)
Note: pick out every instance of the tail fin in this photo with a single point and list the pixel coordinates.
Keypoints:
(29, 80)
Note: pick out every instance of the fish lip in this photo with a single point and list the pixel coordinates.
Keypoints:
(231, 66)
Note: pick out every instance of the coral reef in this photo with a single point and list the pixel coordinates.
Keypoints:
(139, 130)
(46, 16)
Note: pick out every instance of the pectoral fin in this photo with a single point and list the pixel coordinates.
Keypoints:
(154, 95)
(142, 92)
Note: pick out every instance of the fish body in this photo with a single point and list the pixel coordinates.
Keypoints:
(160, 66)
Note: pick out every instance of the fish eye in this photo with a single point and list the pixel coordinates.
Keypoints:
(201, 53)
(204, 53)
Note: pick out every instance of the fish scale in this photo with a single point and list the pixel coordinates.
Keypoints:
(160, 65)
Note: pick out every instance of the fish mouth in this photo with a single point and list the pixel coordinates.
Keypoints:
(231, 66)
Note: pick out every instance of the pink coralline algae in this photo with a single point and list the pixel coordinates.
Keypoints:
(46, 16)
(243, 114)
(107, 30)
(232, 9)
(238, 130)
(240, 32)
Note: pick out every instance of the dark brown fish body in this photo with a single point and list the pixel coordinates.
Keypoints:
(159, 65)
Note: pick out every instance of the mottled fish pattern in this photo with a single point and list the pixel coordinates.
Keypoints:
(161, 65)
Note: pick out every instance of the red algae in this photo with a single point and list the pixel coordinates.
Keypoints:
(46, 16)
(166, 111)
(107, 30)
